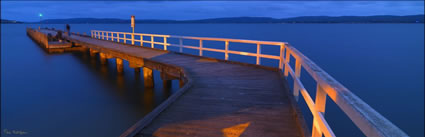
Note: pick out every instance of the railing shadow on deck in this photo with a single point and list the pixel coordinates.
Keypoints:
(370, 122)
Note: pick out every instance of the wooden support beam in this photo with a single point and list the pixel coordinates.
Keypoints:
(165, 76)
(76, 44)
(166, 84)
(84, 49)
(148, 77)
(137, 70)
(136, 64)
(108, 56)
(120, 66)
(102, 58)
(166, 79)
(93, 52)
(181, 83)
(137, 74)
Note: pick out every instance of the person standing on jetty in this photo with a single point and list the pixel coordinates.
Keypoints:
(68, 28)
(58, 36)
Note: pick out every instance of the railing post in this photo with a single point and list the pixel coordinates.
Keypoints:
(181, 45)
(118, 37)
(152, 45)
(258, 53)
(297, 76)
(132, 38)
(317, 132)
(107, 35)
(200, 47)
(226, 50)
(112, 36)
(281, 56)
(287, 59)
(141, 40)
(91, 33)
(320, 102)
(125, 38)
(320, 105)
(165, 43)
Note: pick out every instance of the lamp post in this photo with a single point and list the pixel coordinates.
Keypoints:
(41, 16)
(133, 24)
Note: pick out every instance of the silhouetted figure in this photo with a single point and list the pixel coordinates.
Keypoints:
(68, 28)
(50, 37)
(59, 36)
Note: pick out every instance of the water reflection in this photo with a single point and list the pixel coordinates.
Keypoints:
(129, 84)
(148, 101)
(167, 87)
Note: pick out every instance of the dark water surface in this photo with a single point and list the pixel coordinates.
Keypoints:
(72, 95)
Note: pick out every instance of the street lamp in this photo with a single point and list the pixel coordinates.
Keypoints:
(41, 15)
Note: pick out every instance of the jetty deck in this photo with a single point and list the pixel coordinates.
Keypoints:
(226, 98)
(243, 99)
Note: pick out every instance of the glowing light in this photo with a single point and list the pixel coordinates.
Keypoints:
(41, 15)
(207, 60)
(235, 131)
(243, 53)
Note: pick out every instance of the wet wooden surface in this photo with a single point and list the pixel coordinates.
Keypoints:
(226, 99)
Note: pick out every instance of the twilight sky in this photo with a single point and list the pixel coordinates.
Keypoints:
(183, 10)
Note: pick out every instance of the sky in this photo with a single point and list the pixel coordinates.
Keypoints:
(187, 10)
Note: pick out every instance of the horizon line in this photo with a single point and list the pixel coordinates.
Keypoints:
(216, 18)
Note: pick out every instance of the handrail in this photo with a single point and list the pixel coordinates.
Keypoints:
(198, 38)
(370, 122)
(109, 35)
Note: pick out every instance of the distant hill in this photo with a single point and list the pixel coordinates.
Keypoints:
(100, 21)
(3, 21)
(303, 19)
(357, 19)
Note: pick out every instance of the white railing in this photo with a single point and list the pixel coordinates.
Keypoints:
(116, 36)
(370, 122)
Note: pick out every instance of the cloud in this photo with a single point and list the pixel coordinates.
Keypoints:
(183, 10)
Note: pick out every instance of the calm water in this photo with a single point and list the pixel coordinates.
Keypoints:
(72, 95)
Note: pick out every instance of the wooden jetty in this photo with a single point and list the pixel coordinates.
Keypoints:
(52, 46)
(227, 98)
